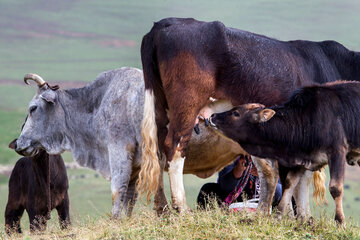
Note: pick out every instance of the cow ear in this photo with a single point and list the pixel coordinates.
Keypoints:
(12, 145)
(266, 114)
(252, 106)
(49, 96)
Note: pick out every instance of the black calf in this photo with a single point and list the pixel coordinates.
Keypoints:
(29, 190)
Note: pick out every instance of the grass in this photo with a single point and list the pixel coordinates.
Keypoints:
(90, 198)
(209, 224)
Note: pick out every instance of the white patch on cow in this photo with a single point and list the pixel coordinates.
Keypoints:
(212, 99)
(175, 172)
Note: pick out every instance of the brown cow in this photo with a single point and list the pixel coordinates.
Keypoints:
(186, 62)
(29, 190)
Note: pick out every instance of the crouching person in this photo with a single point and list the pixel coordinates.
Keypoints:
(235, 181)
(30, 190)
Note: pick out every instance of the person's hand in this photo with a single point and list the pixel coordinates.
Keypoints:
(240, 167)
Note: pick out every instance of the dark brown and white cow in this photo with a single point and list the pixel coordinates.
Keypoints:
(186, 62)
(319, 125)
(30, 190)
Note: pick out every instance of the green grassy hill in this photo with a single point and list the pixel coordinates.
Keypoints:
(71, 42)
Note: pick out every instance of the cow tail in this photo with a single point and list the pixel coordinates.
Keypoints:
(150, 168)
(319, 186)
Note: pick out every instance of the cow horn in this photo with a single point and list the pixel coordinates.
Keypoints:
(36, 78)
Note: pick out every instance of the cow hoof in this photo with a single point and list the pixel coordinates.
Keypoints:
(197, 129)
(310, 222)
(340, 219)
(181, 209)
(162, 211)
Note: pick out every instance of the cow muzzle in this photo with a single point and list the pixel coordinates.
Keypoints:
(26, 148)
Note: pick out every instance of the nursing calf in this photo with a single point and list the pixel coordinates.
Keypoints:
(30, 190)
(318, 125)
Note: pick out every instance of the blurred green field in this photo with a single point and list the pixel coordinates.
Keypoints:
(73, 41)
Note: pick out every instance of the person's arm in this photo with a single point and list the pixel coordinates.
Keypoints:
(230, 176)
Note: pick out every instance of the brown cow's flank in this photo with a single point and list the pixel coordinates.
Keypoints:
(184, 66)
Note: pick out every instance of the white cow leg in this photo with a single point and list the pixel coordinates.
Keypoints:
(301, 196)
(268, 174)
(292, 179)
(175, 172)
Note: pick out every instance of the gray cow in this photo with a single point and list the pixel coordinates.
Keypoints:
(101, 125)
(97, 123)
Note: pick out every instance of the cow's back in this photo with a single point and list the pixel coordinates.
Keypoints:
(328, 113)
(258, 68)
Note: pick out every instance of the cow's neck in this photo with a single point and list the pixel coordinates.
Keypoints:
(81, 135)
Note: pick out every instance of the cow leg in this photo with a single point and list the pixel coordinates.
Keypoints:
(292, 179)
(176, 165)
(131, 196)
(160, 202)
(37, 221)
(13, 215)
(177, 139)
(121, 158)
(336, 186)
(36, 215)
(268, 174)
(175, 172)
(301, 195)
(184, 104)
(63, 212)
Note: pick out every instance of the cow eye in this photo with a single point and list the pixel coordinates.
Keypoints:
(32, 109)
(236, 114)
